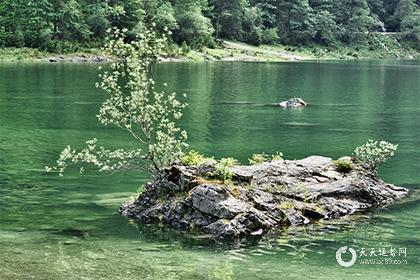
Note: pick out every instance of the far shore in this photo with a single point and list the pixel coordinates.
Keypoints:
(231, 51)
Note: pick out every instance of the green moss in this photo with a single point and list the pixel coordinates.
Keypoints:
(319, 208)
(235, 191)
(285, 205)
(226, 221)
(275, 188)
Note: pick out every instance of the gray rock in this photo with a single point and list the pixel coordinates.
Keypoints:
(262, 197)
(215, 201)
(293, 103)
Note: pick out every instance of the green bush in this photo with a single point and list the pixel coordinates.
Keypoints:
(260, 158)
(277, 156)
(194, 158)
(57, 46)
(270, 36)
(343, 165)
(254, 37)
(222, 169)
(185, 48)
(374, 153)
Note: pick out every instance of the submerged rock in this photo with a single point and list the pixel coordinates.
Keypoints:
(260, 198)
(293, 103)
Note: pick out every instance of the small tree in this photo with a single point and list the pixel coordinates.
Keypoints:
(135, 106)
(374, 153)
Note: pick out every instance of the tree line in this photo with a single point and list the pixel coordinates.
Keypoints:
(64, 26)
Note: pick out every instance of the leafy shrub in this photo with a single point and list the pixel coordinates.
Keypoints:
(270, 36)
(185, 48)
(222, 169)
(254, 37)
(57, 46)
(374, 153)
(343, 165)
(260, 158)
(277, 156)
(194, 158)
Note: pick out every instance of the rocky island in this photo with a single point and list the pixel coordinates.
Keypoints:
(259, 197)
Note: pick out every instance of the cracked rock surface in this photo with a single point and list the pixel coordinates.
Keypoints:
(259, 198)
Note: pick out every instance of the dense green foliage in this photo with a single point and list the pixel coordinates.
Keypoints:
(67, 25)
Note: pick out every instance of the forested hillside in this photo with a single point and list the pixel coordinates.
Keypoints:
(64, 26)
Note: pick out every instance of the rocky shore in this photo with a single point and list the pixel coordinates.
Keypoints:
(259, 197)
(79, 58)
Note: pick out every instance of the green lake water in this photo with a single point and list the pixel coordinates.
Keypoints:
(68, 227)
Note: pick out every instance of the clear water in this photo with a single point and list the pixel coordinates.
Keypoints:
(68, 227)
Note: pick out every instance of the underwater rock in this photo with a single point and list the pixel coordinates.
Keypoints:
(260, 197)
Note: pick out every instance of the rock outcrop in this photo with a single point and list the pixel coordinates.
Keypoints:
(293, 103)
(259, 198)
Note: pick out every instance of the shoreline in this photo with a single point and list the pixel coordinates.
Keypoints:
(229, 52)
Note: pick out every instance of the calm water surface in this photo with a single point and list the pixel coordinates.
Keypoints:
(68, 228)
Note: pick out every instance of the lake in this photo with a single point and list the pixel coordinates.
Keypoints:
(68, 227)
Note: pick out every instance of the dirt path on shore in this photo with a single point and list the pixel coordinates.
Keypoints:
(264, 51)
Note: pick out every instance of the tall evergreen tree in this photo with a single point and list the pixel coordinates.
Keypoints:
(325, 27)
(295, 21)
(193, 27)
(404, 9)
(228, 18)
(354, 18)
(10, 33)
(97, 18)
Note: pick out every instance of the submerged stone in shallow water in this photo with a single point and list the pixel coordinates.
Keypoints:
(262, 197)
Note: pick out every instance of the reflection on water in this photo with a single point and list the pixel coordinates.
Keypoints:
(69, 228)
